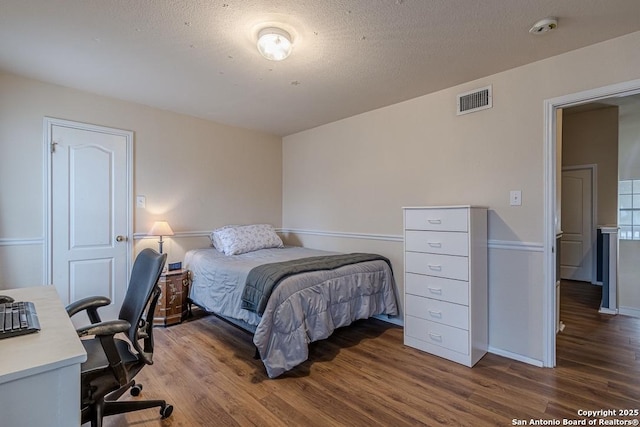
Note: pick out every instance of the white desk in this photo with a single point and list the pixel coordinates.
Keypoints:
(40, 372)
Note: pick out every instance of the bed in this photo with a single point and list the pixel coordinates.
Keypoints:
(302, 308)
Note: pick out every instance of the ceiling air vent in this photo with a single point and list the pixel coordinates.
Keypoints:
(475, 100)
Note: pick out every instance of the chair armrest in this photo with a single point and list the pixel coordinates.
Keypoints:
(104, 332)
(90, 304)
(108, 328)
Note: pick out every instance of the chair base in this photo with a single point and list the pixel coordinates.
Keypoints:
(111, 406)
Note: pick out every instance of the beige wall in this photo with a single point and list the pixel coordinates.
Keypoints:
(196, 174)
(629, 140)
(352, 177)
(343, 184)
(591, 137)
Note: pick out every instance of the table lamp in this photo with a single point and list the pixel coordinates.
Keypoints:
(160, 228)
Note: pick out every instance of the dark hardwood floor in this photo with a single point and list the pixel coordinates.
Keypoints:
(364, 376)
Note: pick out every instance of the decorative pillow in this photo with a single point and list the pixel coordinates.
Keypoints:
(215, 241)
(246, 238)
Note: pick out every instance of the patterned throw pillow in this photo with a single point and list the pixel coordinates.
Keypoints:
(246, 238)
(215, 241)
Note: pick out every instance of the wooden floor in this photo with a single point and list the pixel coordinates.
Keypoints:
(364, 376)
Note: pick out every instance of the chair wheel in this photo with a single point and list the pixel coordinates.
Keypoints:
(136, 390)
(166, 411)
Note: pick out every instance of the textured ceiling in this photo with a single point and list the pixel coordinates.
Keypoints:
(198, 57)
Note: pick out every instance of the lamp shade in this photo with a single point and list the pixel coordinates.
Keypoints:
(160, 228)
(274, 43)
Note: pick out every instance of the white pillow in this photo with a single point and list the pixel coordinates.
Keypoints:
(246, 238)
(215, 241)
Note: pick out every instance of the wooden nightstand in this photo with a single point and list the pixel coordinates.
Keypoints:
(172, 305)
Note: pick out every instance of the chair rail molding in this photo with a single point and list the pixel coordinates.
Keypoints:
(11, 241)
(177, 234)
(342, 234)
(492, 243)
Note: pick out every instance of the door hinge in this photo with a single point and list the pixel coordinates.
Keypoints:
(53, 147)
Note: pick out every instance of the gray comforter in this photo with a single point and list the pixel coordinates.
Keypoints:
(303, 308)
(264, 278)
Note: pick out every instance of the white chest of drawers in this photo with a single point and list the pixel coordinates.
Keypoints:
(445, 263)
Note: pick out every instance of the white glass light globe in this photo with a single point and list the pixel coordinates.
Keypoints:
(274, 43)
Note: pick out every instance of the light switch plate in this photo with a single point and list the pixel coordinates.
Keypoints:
(515, 198)
(141, 202)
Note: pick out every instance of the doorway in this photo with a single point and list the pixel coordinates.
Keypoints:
(578, 213)
(550, 217)
(88, 211)
(551, 208)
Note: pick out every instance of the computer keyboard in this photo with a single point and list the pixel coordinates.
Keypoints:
(18, 318)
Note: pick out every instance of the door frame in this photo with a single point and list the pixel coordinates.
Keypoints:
(48, 124)
(594, 213)
(550, 179)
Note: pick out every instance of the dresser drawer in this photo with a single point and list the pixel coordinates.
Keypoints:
(452, 267)
(437, 219)
(438, 311)
(437, 242)
(456, 291)
(435, 333)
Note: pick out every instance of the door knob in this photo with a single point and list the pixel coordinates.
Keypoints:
(120, 238)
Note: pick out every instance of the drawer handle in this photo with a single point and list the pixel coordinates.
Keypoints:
(437, 314)
(434, 221)
(435, 337)
(435, 244)
(437, 291)
(434, 267)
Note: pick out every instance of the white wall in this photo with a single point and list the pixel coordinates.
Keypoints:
(629, 250)
(196, 174)
(355, 175)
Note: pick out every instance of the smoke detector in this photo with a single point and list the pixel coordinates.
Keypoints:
(544, 25)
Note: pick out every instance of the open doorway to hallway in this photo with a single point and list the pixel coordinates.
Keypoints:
(603, 136)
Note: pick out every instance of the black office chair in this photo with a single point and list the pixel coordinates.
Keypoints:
(111, 362)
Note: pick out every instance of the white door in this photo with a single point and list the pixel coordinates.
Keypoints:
(577, 246)
(89, 212)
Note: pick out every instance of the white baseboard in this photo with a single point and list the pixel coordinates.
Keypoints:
(493, 350)
(605, 310)
(515, 356)
(629, 311)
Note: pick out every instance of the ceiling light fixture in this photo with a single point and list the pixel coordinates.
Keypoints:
(274, 43)
(544, 25)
